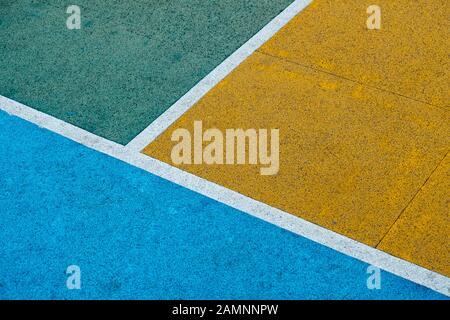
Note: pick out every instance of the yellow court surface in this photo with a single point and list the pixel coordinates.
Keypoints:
(422, 232)
(364, 124)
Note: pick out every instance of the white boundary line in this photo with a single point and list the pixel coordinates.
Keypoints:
(212, 79)
(233, 199)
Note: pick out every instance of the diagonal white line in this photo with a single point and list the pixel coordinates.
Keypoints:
(352, 248)
(212, 79)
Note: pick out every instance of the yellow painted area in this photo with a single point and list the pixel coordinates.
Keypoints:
(347, 163)
(409, 55)
(422, 233)
(363, 123)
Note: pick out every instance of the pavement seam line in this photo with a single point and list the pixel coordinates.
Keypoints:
(263, 211)
(445, 108)
(412, 199)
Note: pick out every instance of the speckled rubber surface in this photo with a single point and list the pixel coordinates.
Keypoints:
(364, 150)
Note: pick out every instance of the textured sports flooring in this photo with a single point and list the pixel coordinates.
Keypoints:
(87, 179)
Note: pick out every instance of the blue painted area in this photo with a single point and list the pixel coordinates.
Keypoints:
(137, 236)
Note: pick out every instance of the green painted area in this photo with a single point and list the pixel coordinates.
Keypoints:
(129, 62)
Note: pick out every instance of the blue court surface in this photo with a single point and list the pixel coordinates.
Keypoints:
(137, 236)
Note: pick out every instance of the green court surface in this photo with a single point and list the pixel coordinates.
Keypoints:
(128, 63)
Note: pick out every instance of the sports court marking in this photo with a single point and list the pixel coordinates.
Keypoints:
(233, 199)
(219, 73)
